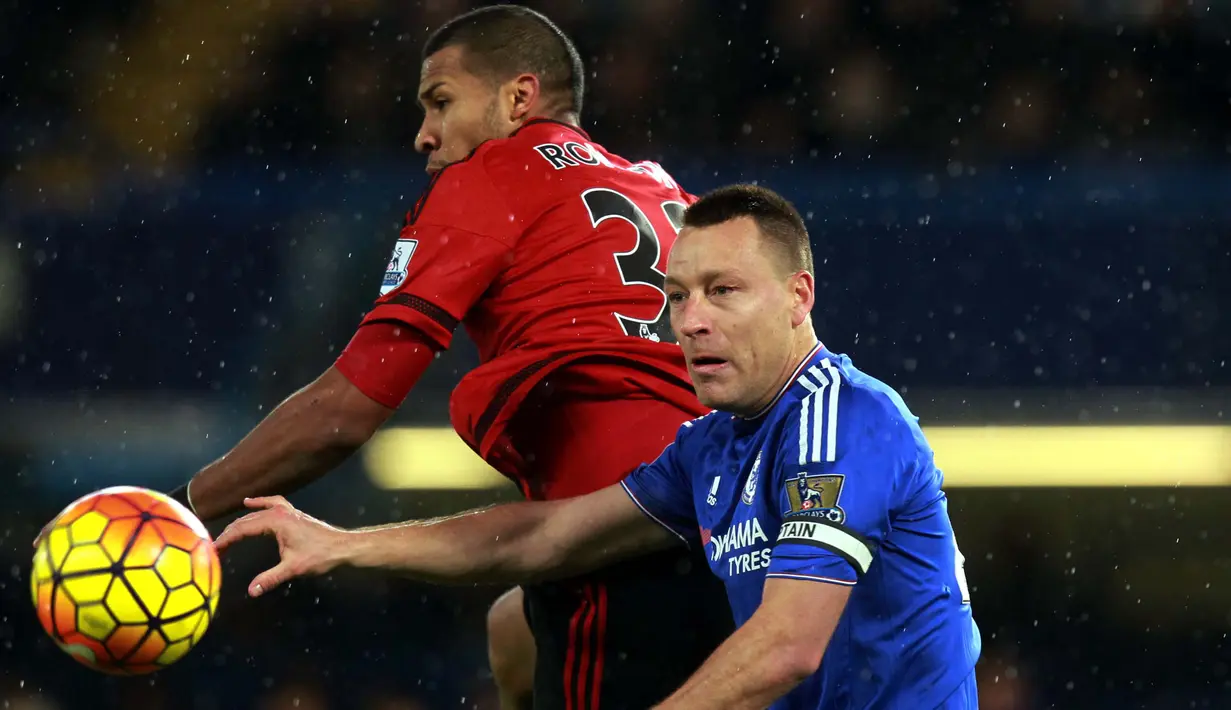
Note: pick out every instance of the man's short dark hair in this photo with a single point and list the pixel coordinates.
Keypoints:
(502, 41)
(776, 218)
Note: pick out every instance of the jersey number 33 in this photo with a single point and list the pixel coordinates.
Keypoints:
(638, 266)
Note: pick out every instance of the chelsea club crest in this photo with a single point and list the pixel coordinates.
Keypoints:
(750, 487)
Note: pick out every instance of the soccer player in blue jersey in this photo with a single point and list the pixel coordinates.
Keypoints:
(810, 486)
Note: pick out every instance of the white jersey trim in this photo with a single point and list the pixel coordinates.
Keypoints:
(812, 578)
(818, 414)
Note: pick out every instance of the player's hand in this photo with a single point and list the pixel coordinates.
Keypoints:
(305, 544)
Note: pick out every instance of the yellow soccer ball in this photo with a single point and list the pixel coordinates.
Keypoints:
(126, 580)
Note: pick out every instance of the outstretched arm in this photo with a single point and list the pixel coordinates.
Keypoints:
(507, 544)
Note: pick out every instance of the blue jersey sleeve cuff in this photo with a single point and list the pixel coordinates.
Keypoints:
(809, 548)
(641, 502)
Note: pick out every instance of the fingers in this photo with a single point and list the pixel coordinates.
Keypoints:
(262, 522)
(268, 502)
(270, 518)
(270, 579)
(251, 525)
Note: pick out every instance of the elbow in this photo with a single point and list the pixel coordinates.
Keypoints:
(529, 550)
(795, 660)
(343, 416)
(332, 428)
(343, 433)
(548, 563)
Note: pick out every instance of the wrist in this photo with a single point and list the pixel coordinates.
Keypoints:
(180, 495)
(341, 548)
(361, 547)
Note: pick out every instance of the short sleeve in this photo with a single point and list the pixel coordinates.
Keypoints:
(663, 491)
(844, 453)
(456, 241)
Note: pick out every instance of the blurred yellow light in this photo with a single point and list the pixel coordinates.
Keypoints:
(992, 456)
(426, 458)
(1083, 455)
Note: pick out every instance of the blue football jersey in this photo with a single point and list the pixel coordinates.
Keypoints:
(833, 483)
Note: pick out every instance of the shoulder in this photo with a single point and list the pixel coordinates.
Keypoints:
(453, 194)
(473, 195)
(496, 190)
(847, 413)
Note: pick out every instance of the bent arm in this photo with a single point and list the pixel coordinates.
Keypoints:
(321, 425)
(305, 437)
(513, 543)
(776, 650)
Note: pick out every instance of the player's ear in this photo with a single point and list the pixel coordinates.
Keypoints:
(803, 293)
(522, 97)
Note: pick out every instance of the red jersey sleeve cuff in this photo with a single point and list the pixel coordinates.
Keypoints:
(384, 361)
(433, 322)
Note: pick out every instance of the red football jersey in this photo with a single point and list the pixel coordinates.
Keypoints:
(552, 253)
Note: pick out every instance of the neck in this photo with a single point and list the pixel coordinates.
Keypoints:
(567, 117)
(805, 341)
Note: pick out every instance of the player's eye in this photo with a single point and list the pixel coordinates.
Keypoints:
(722, 290)
(677, 297)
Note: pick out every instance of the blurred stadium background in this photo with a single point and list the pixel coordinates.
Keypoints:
(1022, 220)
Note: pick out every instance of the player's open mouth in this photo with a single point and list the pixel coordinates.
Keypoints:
(707, 365)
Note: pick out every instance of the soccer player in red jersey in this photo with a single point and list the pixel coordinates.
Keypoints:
(549, 250)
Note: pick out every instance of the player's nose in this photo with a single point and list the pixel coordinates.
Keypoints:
(426, 141)
(691, 319)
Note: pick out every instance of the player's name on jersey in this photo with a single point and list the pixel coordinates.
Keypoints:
(573, 154)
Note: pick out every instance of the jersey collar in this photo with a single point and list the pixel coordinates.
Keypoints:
(541, 120)
(798, 384)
